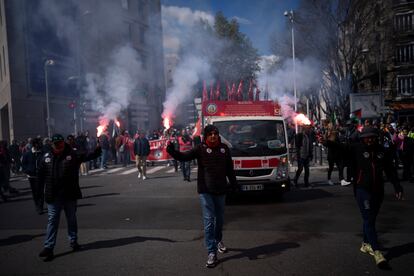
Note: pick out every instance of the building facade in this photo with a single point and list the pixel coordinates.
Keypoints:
(388, 63)
(58, 45)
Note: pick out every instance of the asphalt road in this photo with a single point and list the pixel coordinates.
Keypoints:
(153, 227)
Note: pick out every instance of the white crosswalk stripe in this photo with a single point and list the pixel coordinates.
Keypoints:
(131, 170)
(154, 169)
(171, 170)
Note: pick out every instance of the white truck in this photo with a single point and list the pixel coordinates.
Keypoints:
(255, 132)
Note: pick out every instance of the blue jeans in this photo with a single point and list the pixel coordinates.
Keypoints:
(104, 157)
(369, 205)
(53, 211)
(186, 168)
(213, 217)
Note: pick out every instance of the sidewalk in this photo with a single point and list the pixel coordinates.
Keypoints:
(312, 167)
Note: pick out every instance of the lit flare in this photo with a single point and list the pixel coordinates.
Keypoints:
(167, 123)
(100, 129)
(302, 120)
(118, 124)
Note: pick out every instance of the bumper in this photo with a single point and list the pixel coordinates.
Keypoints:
(280, 186)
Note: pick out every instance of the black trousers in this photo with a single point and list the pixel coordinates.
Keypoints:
(38, 193)
(303, 164)
(332, 160)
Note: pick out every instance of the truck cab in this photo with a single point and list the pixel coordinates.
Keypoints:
(256, 135)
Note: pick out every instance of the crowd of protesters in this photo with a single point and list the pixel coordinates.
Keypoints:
(337, 138)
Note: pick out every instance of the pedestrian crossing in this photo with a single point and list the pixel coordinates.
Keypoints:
(123, 171)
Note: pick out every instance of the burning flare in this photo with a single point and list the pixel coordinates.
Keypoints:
(118, 124)
(302, 120)
(100, 130)
(167, 123)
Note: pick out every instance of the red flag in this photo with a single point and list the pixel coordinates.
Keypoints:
(211, 90)
(250, 93)
(218, 90)
(204, 91)
(197, 128)
(266, 93)
(257, 94)
(240, 91)
(228, 90)
(357, 113)
(233, 92)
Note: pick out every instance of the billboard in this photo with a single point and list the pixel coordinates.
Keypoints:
(369, 103)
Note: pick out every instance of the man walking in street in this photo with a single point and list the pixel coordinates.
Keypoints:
(186, 145)
(141, 151)
(59, 173)
(368, 163)
(304, 154)
(31, 165)
(215, 166)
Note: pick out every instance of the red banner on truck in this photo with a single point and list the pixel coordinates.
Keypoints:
(238, 108)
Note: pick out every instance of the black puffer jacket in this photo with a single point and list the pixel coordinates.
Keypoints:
(60, 174)
(214, 165)
(368, 164)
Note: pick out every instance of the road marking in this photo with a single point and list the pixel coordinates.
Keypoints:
(171, 171)
(130, 171)
(154, 169)
(113, 170)
(96, 171)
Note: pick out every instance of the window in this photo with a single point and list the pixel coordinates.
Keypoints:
(144, 60)
(125, 4)
(1, 69)
(4, 62)
(127, 32)
(142, 36)
(404, 21)
(405, 53)
(405, 85)
(1, 15)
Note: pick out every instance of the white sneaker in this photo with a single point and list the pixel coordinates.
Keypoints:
(221, 248)
(211, 260)
(139, 175)
(144, 177)
(344, 182)
(330, 182)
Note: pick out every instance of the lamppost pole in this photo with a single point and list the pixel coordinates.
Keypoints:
(47, 63)
(289, 14)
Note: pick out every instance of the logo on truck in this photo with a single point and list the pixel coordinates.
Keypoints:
(211, 108)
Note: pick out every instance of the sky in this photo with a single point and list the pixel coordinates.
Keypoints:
(258, 19)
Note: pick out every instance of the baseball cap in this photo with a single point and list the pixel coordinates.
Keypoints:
(57, 138)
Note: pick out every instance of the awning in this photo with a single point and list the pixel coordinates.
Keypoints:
(401, 106)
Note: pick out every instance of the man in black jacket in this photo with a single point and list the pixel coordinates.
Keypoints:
(59, 172)
(141, 151)
(304, 152)
(369, 161)
(215, 166)
(31, 163)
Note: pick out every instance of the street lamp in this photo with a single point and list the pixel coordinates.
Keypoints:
(48, 62)
(73, 104)
(289, 15)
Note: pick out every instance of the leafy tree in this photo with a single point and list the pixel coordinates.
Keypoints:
(238, 59)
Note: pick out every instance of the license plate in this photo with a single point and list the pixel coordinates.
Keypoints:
(258, 187)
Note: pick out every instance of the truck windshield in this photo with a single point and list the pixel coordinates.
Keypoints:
(253, 137)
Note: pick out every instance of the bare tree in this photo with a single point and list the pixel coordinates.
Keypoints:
(335, 33)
